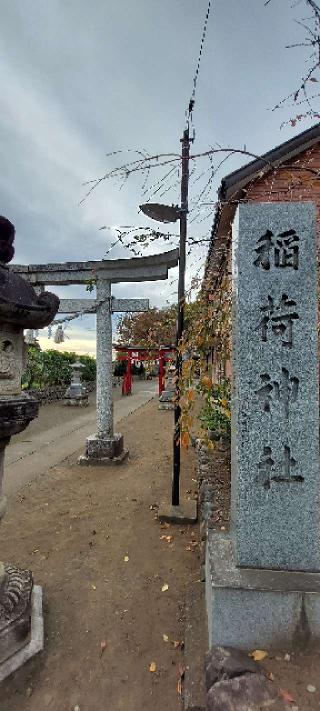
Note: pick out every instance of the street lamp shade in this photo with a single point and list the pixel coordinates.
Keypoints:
(161, 213)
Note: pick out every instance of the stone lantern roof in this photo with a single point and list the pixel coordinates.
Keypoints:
(19, 303)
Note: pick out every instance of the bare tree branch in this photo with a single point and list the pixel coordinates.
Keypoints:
(311, 43)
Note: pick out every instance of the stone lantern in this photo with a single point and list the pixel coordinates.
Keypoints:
(166, 399)
(21, 629)
(76, 393)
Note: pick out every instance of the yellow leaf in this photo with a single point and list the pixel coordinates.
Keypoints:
(126, 558)
(165, 587)
(165, 638)
(153, 667)
(258, 655)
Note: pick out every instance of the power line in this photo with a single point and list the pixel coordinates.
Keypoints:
(195, 78)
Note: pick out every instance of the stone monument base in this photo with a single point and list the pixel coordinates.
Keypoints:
(36, 640)
(166, 405)
(250, 608)
(186, 512)
(166, 399)
(80, 401)
(101, 451)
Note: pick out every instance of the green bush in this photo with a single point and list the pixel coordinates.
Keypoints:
(215, 414)
(53, 368)
(120, 368)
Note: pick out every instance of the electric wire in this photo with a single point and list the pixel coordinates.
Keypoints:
(196, 75)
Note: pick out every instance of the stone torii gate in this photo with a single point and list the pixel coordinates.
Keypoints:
(104, 446)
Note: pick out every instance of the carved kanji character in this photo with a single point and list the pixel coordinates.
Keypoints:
(285, 391)
(280, 317)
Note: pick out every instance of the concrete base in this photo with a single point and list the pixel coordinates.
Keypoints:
(76, 401)
(186, 512)
(196, 646)
(250, 608)
(166, 399)
(166, 406)
(101, 451)
(36, 640)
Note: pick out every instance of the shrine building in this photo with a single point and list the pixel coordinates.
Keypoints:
(288, 173)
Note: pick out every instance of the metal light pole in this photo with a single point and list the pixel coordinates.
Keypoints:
(180, 323)
(165, 213)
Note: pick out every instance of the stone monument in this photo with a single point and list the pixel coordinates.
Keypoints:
(76, 393)
(21, 627)
(166, 399)
(263, 580)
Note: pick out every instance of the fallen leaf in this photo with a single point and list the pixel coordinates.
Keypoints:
(312, 689)
(168, 539)
(126, 558)
(178, 644)
(94, 587)
(103, 645)
(270, 676)
(181, 671)
(165, 638)
(153, 667)
(165, 587)
(286, 695)
(258, 655)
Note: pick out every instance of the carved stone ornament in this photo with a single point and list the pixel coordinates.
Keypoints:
(15, 610)
(12, 359)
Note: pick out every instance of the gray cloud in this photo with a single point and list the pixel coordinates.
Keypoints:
(81, 79)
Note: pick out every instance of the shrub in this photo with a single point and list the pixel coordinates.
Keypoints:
(215, 414)
(53, 368)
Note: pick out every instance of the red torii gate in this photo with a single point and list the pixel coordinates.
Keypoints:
(140, 353)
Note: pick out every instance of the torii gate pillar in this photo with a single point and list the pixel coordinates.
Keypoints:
(105, 446)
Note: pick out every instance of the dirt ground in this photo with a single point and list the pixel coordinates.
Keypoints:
(56, 413)
(114, 580)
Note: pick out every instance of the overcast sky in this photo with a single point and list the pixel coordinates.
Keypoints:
(80, 79)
